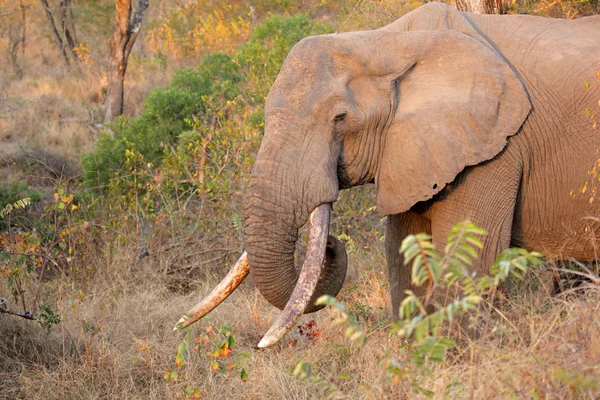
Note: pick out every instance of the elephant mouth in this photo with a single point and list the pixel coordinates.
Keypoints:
(301, 295)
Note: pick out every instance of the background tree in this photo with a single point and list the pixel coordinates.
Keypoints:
(13, 28)
(482, 6)
(67, 26)
(66, 44)
(124, 35)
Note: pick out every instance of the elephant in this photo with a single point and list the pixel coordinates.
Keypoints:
(452, 116)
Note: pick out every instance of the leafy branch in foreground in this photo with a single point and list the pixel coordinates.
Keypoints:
(18, 205)
(438, 273)
(25, 256)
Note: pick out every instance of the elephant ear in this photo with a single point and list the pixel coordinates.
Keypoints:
(457, 105)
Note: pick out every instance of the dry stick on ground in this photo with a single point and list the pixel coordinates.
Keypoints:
(124, 35)
(5, 310)
(192, 267)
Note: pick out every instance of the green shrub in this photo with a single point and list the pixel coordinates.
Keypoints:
(166, 115)
(261, 58)
(426, 343)
(221, 100)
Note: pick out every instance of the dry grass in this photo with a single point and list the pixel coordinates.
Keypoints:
(115, 338)
(115, 341)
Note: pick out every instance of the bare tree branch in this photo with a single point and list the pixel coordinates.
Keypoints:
(67, 26)
(57, 38)
(13, 12)
(5, 310)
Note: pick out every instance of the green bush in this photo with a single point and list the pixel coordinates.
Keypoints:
(221, 101)
(166, 115)
(421, 318)
(262, 57)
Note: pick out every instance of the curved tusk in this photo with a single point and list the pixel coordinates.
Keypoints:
(235, 276)
(307, 282)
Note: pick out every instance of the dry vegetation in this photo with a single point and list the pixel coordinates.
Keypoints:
(119, 274)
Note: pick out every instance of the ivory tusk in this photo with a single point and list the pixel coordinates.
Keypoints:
(235, 276)
(307, 281)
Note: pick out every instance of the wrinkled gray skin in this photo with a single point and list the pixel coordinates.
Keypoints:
(453, 116)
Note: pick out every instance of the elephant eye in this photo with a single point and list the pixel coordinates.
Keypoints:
(340, 117)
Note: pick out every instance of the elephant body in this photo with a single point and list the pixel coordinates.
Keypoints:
(539, 191)
(452, 116)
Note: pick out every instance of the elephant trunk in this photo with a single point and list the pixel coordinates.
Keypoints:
(271, 241)
(271, 236)
(270, 257)
(281, 197)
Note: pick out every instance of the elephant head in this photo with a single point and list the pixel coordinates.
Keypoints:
(407, 111)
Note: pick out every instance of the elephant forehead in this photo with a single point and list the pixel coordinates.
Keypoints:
(316, 66)
(311, 91)
(299, 78)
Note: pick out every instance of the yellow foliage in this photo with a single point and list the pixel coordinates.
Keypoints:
(192, 31)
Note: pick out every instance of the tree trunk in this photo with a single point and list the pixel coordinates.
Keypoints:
(124, 35)
(482, 6)
(68, 30)
(23, 15)
(57, 37)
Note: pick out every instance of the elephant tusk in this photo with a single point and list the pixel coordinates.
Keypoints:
(307, 281)
(233, 279)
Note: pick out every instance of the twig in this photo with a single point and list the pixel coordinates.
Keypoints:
(349, 15)
(6, 107)
(190, 268)
(13, 12)
(5, 310)
(11, 253)
(589, 275)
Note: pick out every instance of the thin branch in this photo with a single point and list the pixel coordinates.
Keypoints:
(5, 310)
(14, 12)
(6, 108)
(190, 268)
(49, 258)
(589, 275)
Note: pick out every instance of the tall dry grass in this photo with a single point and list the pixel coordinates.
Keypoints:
(115, 341)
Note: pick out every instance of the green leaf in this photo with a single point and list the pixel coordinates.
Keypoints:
(463, 257)
(468, 249)
(325, 300)
(473, 240)
(407, 242)
(244, 375)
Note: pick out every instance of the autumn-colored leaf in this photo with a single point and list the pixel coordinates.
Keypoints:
(244, 375)
(225, 350)
(179, 360)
